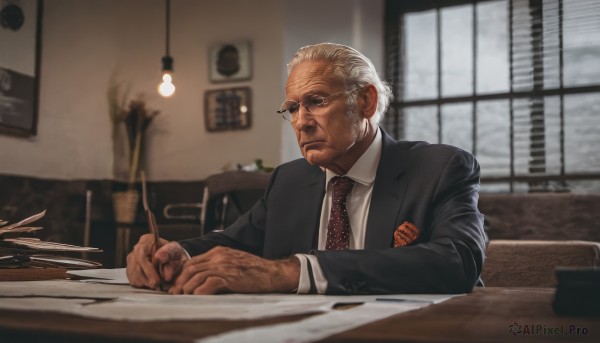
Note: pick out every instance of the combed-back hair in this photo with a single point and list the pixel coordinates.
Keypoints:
(350, 67)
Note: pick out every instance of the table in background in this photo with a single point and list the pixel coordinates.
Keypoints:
(482, 316)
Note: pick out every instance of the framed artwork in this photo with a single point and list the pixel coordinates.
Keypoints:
(228, 109)
(230, 62)
(20, 44)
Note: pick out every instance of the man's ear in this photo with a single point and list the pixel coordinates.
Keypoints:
(367, 101)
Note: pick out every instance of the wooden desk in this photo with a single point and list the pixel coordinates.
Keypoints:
(482, 316)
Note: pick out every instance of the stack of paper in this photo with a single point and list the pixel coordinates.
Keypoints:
(19, 251)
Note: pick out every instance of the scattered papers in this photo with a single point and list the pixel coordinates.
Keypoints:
(111, 276)
(37, 244)
(315, 328)
(68, 289)
(23, 222)
(134, 304)
(21, 252)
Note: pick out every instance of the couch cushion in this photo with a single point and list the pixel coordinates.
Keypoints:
(531, 263)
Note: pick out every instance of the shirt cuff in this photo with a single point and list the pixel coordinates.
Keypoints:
(186, 252)
(312, 280)
(304, 283)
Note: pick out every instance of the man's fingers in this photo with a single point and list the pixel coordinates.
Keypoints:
(170, 251)
(170, 259)
(205, 283)
(134, 273)
(212, 285)
(141, 270)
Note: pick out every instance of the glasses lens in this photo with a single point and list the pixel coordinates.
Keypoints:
(288, 108)
(314, 103)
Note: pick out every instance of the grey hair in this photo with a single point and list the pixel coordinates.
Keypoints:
(350, 67)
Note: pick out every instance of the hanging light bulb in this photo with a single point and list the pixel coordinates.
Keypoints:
(166, 88)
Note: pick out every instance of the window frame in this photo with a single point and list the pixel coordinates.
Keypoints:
(395, 60)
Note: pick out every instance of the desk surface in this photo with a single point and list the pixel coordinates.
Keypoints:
(482, 316)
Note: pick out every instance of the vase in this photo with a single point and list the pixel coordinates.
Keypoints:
(125, 206)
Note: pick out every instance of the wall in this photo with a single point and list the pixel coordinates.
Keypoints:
(84, 42)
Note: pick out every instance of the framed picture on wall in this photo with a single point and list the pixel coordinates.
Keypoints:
(20, 43)
(227, 109)
(230, 62)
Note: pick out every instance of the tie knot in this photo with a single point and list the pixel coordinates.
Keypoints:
(341, 186)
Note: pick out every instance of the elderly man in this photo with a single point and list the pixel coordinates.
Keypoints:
(359, 214)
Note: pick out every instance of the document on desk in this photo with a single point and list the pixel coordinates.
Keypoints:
(317, 327)
(134, 304)
(115, 276)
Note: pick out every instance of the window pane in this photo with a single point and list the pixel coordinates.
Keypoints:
(421, 124)
(494, 187)
(457, 50)
(551, 44)
(582, 140)
(493, 138)
(492, 47)
(552, 131)
(421, 61)
(581, 42)
(457, 125)
(522, 133)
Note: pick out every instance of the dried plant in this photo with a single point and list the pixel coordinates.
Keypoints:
(130, 120)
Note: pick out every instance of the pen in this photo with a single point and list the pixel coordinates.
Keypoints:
(153, 229)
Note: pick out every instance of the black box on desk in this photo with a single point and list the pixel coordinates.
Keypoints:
(577, 291)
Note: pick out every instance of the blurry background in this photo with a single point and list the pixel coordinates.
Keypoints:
(516, 82)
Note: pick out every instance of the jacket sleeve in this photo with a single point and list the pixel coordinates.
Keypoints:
(450, 261)
(246, 233)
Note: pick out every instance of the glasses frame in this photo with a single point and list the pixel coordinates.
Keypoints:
(326, 100)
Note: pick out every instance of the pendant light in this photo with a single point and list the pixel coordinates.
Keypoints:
(166, 88)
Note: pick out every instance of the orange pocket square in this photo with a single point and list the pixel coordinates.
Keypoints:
(405, 234)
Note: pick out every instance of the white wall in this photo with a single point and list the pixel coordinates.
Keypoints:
(84, 42)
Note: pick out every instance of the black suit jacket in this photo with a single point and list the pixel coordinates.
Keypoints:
(433, 186)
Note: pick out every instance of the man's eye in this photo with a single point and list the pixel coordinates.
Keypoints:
(314, 101)
(293, 108)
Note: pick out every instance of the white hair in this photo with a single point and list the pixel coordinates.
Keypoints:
(350, 67)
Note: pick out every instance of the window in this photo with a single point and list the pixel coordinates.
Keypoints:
(516, 82)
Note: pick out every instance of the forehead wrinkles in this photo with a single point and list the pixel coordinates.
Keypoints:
(308, 76)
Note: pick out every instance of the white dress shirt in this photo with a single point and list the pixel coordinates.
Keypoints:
(358, 203)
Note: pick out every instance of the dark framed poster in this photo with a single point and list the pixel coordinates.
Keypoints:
(227, 109)
(230, 62)
(20, 45)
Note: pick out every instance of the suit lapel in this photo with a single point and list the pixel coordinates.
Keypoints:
(311, 193)
(388, 195)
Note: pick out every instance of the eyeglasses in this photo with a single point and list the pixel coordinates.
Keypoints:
(314, 104)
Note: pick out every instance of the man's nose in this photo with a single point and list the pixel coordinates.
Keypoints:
(304, 118)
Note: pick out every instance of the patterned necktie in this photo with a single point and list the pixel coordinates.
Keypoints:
(338, 228)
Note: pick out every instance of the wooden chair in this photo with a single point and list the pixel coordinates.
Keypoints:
(226, 196)
(531, 263)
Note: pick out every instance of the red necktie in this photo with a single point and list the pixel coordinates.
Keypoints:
(338, 228)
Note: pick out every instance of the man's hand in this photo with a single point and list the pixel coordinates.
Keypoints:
(223, 270)
(169, 259)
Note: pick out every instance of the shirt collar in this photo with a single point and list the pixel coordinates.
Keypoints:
(365, 168)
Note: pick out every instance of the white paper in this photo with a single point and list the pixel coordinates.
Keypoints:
(134, 304)
(23, 222)
(68, 288)
(116, 276)
(37, 244)
(71, 306)
(317, 327)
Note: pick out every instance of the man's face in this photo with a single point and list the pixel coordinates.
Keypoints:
(324, 139)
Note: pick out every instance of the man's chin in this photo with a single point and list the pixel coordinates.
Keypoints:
(313, 158)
